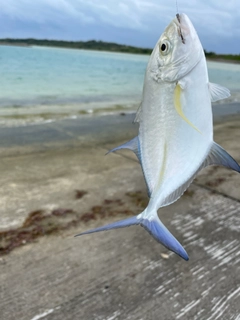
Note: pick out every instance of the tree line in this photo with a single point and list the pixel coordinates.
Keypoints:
(102, 46)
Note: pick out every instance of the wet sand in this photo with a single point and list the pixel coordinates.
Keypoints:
(56, 182)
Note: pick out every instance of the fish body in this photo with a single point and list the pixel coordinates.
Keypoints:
(175, 139)
(173, 146)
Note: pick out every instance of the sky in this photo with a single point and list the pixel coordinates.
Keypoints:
(132, 22)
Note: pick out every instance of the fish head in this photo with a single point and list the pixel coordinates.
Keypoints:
(178, 50)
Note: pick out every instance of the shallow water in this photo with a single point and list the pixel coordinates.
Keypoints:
(61, 76)
(44, 84)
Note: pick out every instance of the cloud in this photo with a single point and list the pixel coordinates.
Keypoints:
(42, 11)
(136, 22)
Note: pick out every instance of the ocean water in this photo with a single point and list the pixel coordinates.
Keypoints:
(40, 75)
(39, 83)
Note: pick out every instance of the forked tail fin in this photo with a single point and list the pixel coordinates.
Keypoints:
(154, 226)
(160, 233)
(115, 225)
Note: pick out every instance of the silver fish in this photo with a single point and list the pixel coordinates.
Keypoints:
(175, 139)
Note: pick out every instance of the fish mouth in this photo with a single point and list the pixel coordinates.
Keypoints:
(179, 28)
(178, 17)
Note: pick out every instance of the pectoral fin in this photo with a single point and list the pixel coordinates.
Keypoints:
(218, 92)
(178, 107)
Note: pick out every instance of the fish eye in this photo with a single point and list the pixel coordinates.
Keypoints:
(165, 47)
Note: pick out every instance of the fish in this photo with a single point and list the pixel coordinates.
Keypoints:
(175, 138)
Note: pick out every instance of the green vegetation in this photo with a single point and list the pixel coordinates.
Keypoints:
(103, 46)
(224, 57)
(90, 45)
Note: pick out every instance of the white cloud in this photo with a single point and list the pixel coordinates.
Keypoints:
(213, 19)
(41, 11)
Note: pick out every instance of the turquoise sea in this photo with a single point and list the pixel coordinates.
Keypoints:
(42, 84)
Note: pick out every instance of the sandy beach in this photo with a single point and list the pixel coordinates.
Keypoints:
(56, 182)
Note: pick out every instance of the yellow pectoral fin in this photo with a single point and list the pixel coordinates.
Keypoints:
(177, 104)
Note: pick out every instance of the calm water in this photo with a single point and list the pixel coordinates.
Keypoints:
(52, 79)
(48, 75)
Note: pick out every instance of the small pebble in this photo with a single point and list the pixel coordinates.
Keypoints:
(164, 255)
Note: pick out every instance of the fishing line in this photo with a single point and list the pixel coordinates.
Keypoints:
(177, 6)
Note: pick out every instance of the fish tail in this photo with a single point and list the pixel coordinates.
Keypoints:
(161, 234)
(153, 225)
(115, 225)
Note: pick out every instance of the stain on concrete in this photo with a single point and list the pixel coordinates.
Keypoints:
(37, 224)
(80, 193)
(138, 198)
(41, 223)
(215, 182)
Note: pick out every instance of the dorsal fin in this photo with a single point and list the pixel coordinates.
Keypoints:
(135, 147)
(131, 145)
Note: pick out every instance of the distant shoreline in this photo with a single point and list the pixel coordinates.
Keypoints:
(15, 44)
(223, 60)
(87, 45)
(105, 46)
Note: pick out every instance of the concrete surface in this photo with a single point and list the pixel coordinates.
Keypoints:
(121, 274)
